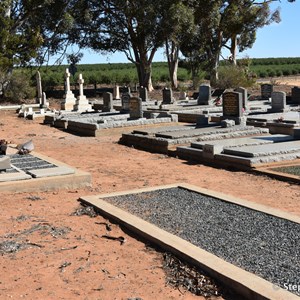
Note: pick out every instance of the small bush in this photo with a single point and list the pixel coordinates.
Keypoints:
(233, 77)
(19, 87)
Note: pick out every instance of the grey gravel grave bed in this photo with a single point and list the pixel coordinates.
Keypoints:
(28, 162)
(257, 242)
(294, 170)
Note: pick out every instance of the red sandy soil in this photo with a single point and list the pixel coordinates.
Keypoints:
(78, 263)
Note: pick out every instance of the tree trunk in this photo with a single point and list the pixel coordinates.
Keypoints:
(144, 70)
(233, 50)
(172, 52)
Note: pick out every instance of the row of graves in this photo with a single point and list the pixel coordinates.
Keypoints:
(221, 124)
(243, 133)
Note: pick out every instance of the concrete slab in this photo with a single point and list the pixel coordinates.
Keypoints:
(245, 141)
(245, 283)
(61, 176)
(264, 150)
(154, 130)
(56, 171)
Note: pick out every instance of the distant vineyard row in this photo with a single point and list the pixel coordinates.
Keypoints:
(125, 73)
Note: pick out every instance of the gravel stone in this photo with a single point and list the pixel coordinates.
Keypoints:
(262, 244)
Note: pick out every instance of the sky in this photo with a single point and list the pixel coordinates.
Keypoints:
(275, 40)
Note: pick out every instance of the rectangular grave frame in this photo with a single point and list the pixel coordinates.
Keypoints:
(35, 183)
(243, 282)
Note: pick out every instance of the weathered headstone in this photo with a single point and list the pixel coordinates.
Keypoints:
(204, 97)
(232, 106)
(70, 100)
(116, 92)
(39, 88)
(82, 103)
(125, 102)
(182, 95)
(143, 94)
(244, 93)
(135, 108)
(278, 101)
(296, 95)
(107, 102)
(44, 103)
(266, 91)
(167, 96)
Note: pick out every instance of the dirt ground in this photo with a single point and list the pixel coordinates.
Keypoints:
(63, 256)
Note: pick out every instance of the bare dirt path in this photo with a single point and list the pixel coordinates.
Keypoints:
(65, 256)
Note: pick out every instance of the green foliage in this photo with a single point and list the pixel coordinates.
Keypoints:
(233, 77)
(19, 87)
(275, 67)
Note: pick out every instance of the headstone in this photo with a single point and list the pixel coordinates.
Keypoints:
(82, 103)
(278, 101)
(116, 92)
(232, 106)
(44, 103)
(296, 95)
(266, 91)
(135, 108)
(39, 88)
(143, 94)
(167, 96)
(182, 96)
(125, 102)
(204, 97)
(107, 102)
(125, 89)
(70, 100)
(244, 93)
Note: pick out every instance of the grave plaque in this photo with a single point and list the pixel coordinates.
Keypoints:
(244, 93)
(232, 105)
(135, 108)
(107, 102)
(296, 95)
(167, 96)
(143, 94)
(204, 96)
(278, 101)
(125, 102)
(266, 91)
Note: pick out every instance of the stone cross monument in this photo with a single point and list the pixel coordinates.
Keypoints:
(70, 99)
(82, 103)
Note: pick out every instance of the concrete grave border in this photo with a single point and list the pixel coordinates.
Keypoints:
(243, 282)
(53, 181)
(267, 169)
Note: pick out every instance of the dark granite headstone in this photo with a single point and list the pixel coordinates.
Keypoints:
(232, 106)
(278, 101)
(204, 97)
(266, 91)
(167, 96)
(296, 95)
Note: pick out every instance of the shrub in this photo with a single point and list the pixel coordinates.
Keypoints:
(233, 77)
(19, 87)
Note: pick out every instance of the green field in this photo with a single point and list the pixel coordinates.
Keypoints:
(125, 73)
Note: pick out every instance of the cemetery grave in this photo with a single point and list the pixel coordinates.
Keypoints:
(236, 242)
(31, 172)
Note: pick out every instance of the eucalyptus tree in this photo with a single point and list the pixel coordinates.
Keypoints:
(134, 27)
